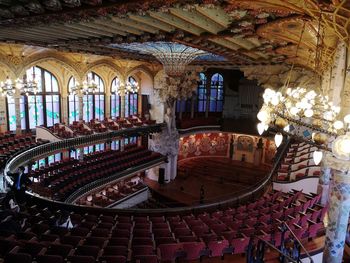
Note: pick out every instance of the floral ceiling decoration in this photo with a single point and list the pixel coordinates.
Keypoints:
(244, 32)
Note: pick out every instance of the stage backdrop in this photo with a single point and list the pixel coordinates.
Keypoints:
(223, 144)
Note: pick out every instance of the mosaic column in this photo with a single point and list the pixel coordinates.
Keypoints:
(323, 184)
(338, 212)
(17, 99)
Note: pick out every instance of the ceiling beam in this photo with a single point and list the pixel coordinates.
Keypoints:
(241, 42)
(89, 30)
(197, 19)
(177, 22)
(152, 22)
(104, 28)
(216, 14)
(136, 24)
(119, 26)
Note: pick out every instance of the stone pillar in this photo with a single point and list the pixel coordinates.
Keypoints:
(338, 212)
(192, 106)
(64, 113)
(81, 154)
(81, 106)
(122, 144)
(323, 184)
(17, 98)
(108, 105)
(122, 104)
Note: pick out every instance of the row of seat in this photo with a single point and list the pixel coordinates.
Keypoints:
(298, 163)
(11, 144)
(62, 182)
(149, 239)
(112, 193)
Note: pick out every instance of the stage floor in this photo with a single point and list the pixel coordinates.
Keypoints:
(221, 179)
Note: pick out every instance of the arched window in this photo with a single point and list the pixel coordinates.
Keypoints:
(73, 102)
(42, 108)
(202, 92)
(216, 93)
(115, 98)
(131, 100)
(94, 103)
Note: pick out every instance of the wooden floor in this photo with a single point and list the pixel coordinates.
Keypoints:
(221, 178)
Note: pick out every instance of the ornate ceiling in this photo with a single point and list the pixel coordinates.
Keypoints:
(245, 32)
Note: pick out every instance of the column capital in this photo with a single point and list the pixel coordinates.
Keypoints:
(337, 164)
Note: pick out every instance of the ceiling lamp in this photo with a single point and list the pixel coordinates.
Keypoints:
(9, 87)
(88, 86)
(132, 87)
(173, 56)
(278, 139)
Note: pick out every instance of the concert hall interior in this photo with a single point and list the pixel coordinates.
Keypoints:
(149, 131)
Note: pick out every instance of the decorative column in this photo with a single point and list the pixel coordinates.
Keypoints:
(64, 113)
(17, 98)
(323, 184)
(338, 212)
(122, 98)
(81, 106)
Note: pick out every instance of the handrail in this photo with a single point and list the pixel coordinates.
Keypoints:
(301, 245)
(278, 250)
(109, 179)
(256, 189)
(43, 150)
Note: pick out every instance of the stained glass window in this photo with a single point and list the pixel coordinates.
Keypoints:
(131, 100)
(42, 108)
(94, 103)
(115, 145)
(12, 113)
(115, 98)
(216, 93)
(202, 92)
(73, 102)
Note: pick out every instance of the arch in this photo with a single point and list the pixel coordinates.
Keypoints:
(216, 92)
(107, 63)
(143, 69)
(50, 57)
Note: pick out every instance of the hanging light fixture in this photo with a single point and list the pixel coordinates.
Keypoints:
(9, 87)
(278, 139)
(88, 86)
(131, 87)
(317, 156)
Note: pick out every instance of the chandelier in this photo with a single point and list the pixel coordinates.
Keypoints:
(130, 87)
(88, 86)
(9, 87)
(307, 116)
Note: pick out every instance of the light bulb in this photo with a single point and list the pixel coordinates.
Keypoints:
(347, 119)
(317, 156)
(261, 128)
(338, 125)
(287, 128)
(262, 116)
(341, 147)
(278, 139)
(308, 113)
(294, 111)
